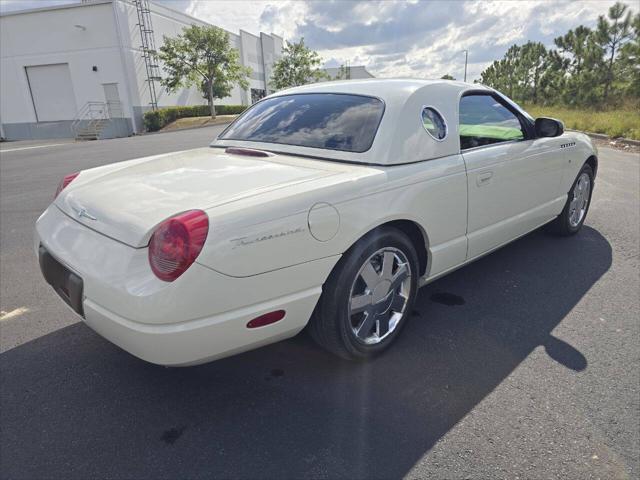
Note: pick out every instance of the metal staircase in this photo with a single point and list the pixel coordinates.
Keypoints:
(93, 118)
(148, 49)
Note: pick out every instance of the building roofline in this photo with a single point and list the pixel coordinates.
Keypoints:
(55, 7)
(173, 10)
(363, 67)
(103, 2)
(352, 66)
(249, 33)
(199, 19)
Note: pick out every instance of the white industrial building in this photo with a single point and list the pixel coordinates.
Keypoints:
(89, 67)
(348, 72)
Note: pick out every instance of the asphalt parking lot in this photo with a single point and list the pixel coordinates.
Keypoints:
(525, 364)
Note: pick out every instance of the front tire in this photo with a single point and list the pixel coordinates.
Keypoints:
(368, 297)
(570, 221)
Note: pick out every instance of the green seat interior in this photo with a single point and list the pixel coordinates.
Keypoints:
(491, 132)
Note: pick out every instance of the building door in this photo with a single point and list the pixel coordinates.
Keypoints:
(52, 92)
(112, 97)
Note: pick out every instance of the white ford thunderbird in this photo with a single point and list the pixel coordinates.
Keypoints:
(325, 206)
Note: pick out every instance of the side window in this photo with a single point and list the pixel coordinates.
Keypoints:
(484, 121)
(433, 123)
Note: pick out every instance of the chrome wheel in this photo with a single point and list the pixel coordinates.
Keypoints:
(379, 295)
(580, 201)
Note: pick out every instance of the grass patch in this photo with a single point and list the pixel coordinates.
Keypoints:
(191, 122)
(624, 122)
(156, 119)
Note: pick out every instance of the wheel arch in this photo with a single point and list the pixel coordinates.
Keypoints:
(413, 230)
(592, 161)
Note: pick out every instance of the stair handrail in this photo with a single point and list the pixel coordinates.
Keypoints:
(94, 113)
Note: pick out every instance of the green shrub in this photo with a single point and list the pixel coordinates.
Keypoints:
(229, 109)
(155, 120)
(152, 121)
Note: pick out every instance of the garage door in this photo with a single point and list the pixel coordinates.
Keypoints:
(52, 92)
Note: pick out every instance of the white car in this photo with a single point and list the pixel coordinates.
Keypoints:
(325, 206)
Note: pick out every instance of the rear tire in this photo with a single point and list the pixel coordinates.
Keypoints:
(368, 297)
(570, 221)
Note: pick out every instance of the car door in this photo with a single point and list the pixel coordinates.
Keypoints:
(513, 178)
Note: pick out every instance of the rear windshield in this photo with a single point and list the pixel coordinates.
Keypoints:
(319, 120)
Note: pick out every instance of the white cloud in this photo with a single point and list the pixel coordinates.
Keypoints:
(230, 15)
(396, 38)
(271, 16)
(423, 38)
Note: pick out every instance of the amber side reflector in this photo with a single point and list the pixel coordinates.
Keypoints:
(249, 152)
(266, 319)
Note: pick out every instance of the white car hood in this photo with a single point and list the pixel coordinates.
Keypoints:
(125, 201)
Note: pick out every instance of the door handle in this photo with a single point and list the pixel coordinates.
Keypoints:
(483, 178)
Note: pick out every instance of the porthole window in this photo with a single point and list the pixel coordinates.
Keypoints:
(433, 123)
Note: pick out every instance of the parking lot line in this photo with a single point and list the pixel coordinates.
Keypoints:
(30, 148)
(13, 313)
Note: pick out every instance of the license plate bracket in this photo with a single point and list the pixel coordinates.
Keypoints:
(66, 283)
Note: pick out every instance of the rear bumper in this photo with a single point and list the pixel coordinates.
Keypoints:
(199, 317)
(199, 341)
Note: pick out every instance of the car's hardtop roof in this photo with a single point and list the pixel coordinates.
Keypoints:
(400, 137)
(383, 88)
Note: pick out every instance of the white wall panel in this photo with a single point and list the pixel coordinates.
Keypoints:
(104, 35)
(51, 37)
(61, 30)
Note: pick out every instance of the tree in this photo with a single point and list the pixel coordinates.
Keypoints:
(529, 69)
(298, 66)
(447, 77)
(219, 89)
(629, 61)
(576, 44)
(202, 56)
(501, 74)
(523, 73)
(612, 33)
(583, 65)
(553, 79)
(587, 67)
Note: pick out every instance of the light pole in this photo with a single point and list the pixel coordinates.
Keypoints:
(466, 59)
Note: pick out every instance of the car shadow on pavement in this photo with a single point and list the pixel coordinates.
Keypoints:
(75, 406)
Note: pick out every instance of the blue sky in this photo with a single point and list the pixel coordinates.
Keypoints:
(421, 39)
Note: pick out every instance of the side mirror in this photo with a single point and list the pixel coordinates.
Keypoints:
(549, 127)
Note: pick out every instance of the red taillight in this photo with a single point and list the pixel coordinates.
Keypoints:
(266, 319)
(176, 244)
(66, 180)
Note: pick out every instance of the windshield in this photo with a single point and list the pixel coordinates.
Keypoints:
(318, 120)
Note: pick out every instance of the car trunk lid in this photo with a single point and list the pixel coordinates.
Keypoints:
(127, 201)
